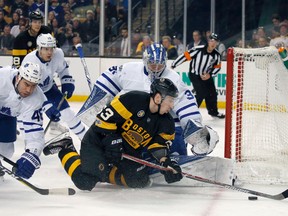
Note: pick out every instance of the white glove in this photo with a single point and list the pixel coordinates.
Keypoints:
(202, 138)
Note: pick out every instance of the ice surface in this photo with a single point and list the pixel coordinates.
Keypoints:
(108, 200)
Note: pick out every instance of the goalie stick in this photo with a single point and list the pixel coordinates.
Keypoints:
(279, 196)
(83, 61)
(42, 191)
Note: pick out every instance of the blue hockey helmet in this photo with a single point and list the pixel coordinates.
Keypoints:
(155, 58)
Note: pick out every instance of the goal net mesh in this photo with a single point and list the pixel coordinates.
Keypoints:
(258, 124)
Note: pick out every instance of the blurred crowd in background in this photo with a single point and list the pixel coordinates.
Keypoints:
(74, 21)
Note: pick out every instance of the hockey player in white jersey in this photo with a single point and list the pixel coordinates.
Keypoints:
(21, 98)
(52, 62)
(138, 76)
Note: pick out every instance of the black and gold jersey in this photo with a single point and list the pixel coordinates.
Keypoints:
(130, 116)
(24, 43)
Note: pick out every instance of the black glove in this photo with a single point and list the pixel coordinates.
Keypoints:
(170, 176)
(113, 148)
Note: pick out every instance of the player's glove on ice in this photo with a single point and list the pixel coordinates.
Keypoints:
(113, 148)
(26, 165)
(67, 83)
(51, 111)
(170, 176)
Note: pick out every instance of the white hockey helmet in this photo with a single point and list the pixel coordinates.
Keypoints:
(30, 72)
(45, 40)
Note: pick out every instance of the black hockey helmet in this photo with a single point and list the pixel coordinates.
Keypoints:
(35, 15)
(163, 86)
(214, 36)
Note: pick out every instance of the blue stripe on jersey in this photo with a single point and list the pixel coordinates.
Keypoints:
(189, 114)
(80, 132)
(105, 87)
(185, 107)
(112, 83)
(75, 126)
(176, 119)
(34, 130)
(32, 123)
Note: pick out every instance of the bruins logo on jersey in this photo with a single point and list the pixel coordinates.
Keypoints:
(141, 113)
(135, 135)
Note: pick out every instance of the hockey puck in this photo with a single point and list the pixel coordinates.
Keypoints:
(252, 198)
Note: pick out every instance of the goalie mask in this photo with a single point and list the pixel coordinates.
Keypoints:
(202, 138)
(154, 59)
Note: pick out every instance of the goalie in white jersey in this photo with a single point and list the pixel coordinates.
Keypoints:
(52, 62)
(139, 76)
(22, 98)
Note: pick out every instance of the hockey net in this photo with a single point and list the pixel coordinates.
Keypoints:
(256, 129)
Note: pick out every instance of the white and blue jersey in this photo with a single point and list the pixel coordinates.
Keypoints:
(133, 76)
(27, 110)
(57, 66)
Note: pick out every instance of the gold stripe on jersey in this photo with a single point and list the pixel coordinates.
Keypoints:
(19, 52)
(112, 173)
(74, 165)
(105, 125)
(123, 181)
(155, 145)
(167, 136)
(187, 56)
(120, 108)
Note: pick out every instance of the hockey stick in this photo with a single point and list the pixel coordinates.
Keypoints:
(83, 61)
(58, 107)
(279, 196)
(52, 191)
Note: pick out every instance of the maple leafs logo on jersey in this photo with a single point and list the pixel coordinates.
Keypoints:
(45, 82)
(5, 111)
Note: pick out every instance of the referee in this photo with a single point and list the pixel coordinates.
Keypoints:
(205, 63)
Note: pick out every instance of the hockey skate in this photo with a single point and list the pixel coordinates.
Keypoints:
(219, 115)
(56, 128)
(56, 146)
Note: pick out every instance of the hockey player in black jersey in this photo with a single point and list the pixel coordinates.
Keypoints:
(132, 123)
(25, 42)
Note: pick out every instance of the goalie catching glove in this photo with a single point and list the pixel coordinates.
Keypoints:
(172, 176)
(202, 138)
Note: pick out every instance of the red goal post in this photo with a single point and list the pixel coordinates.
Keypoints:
(256, 127)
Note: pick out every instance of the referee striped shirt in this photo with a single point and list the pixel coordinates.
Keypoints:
(201, 62)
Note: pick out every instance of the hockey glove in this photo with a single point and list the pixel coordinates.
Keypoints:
(171, 176)
(68, 86)
(113, 148)
(26, 165)
(51, 111)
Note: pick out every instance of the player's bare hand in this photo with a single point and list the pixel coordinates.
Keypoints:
(205, 76)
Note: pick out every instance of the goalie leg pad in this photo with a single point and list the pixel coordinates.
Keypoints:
(178, 145)
(94, 103)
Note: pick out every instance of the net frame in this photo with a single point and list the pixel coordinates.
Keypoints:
(256, 129)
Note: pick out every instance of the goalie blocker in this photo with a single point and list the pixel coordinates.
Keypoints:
(202, 138)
